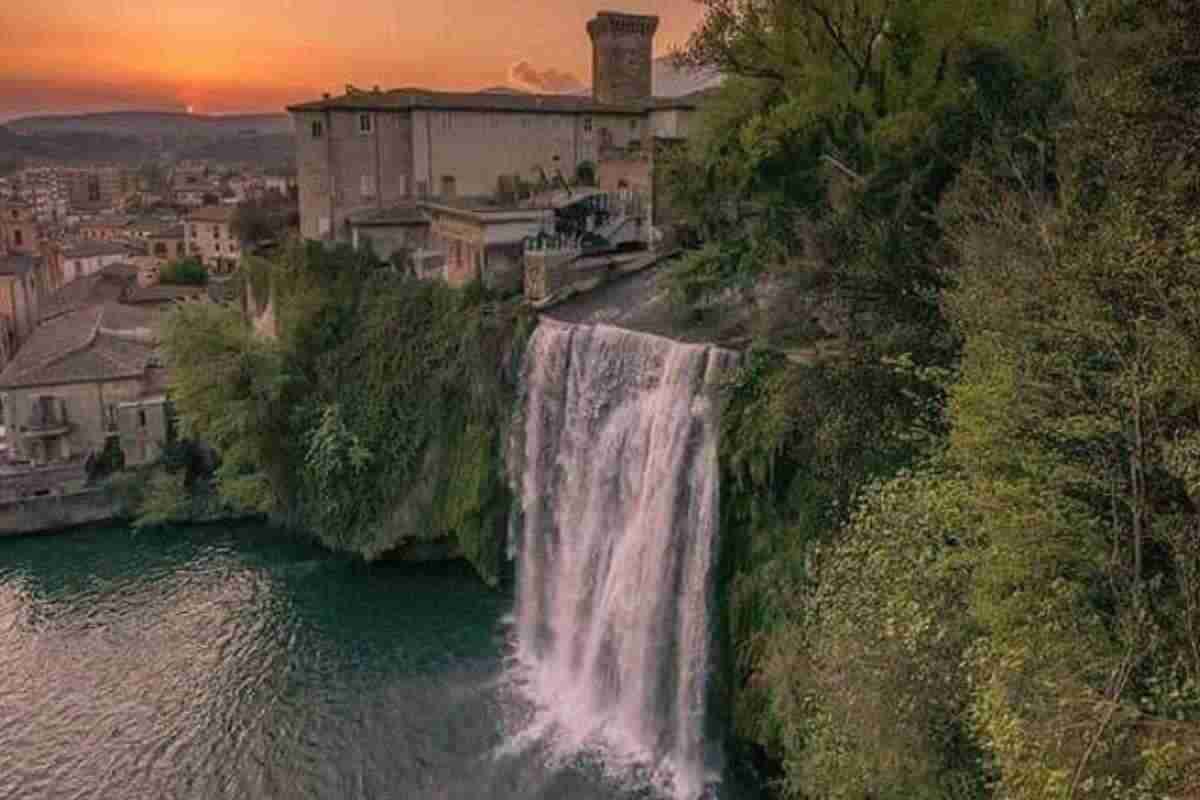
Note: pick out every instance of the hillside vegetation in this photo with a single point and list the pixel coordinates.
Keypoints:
(963, 556)
(377, 417)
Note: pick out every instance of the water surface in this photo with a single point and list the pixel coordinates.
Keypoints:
(241, 663)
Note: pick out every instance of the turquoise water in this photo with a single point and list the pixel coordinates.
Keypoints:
(241, 663)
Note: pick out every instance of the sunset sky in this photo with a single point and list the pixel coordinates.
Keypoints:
(221, 56)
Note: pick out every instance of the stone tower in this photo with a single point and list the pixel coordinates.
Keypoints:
(622, 52)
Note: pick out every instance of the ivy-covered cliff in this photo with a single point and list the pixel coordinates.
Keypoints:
(376, 417)
(961, 555)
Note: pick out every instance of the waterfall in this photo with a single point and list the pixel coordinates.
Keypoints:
(617, 541)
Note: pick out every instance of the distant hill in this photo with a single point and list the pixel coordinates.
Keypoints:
(131, 137)
(156, 125)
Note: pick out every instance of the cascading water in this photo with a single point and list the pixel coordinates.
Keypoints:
(617, 543)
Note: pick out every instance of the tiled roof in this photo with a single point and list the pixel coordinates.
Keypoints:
(415, 99)
(213, 214)
(85, 346)
(91, 248)
(125, 320)
(99, 287)
(17, 264)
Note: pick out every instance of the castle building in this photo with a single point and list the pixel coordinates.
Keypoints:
(371, 152)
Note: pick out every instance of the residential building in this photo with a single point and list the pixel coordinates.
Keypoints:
(108, 228)
(210, 237)
(83, 378)
(90, 256)
(99, 188)
(168, 242)
(378, 150)
(484, 241)
(195, 196)
(45, 189)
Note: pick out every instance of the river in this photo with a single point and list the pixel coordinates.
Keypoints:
(242, 663)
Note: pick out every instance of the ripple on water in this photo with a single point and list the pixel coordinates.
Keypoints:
(242, 664)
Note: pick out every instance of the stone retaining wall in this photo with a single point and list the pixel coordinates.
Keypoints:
(48, 514)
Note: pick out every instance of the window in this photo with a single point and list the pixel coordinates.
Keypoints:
(192, 233)
(364, 123)
(587, 124)
(141, 417)
(367, 186)
(17, 238)
(448, 186)
(318, 130)
(633, 124)
(216, 231)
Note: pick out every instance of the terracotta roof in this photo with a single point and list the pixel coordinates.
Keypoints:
(98, 343)
(212, 214)
(415, 99)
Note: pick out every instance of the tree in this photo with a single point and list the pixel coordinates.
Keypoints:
(184, 272)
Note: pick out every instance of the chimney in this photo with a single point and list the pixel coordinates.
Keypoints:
(622, 56)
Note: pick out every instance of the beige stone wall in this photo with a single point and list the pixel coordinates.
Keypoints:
(167, 247)
(345, 170)
(143, 431)
(86, 407)
(314, 180)
(635, 173)
(38, 514)
(622, 52)
(463, 243)
(476, 148)
(213, 242)
(433, 153)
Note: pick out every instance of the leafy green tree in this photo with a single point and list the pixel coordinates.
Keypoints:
(184, 272)
(231, 391)
(374, 419)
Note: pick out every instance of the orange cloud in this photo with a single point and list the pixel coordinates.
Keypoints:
(238, 55)
(526, 76)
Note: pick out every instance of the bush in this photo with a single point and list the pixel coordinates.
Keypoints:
(186, 272)
(376, 417)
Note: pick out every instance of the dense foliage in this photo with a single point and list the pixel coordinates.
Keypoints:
(184, 272)
(963, 557)
(375, 418)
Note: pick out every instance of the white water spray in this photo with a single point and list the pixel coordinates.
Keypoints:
(617, 542)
